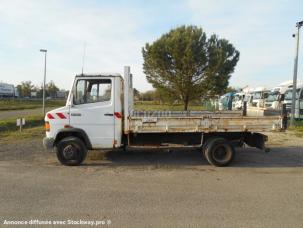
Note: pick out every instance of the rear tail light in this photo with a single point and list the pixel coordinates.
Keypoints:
(47, 126)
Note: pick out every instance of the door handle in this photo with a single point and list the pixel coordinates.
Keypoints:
(75, 114)
(108, 114)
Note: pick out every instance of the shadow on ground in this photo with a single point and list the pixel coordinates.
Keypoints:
(248, 157)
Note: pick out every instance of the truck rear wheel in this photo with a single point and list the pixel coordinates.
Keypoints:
(219, 152)
(71, 151)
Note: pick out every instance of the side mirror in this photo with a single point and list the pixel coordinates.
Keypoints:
(281, 98)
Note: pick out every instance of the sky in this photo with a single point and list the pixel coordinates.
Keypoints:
(114, 33)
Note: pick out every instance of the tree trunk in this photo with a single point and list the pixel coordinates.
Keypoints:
(186, 100)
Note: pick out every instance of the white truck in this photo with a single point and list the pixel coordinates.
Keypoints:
(238, 100)
(258, 97)
(276, 96)
(99, 114)
(299, 101)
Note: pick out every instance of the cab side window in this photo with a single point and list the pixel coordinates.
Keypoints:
(92, 91)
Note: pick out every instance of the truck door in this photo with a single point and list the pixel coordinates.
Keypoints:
(93, 110)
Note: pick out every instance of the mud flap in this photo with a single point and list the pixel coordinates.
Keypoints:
(257, 140)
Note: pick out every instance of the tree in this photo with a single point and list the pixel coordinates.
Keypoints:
(187, 65)
(163, 96)
(25, 88)
(51, 89)
(148, 95)
(230, 89)
(137, 95)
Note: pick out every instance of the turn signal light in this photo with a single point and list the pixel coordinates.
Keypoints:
(47, 126)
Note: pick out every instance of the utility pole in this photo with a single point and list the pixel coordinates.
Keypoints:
(83, 57)
(294, 88)
(44, 79)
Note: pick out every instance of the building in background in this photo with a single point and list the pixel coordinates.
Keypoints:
(61, 94)
(34, 94)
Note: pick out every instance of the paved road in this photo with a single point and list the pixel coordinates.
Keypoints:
(155, 189)
(22, 113)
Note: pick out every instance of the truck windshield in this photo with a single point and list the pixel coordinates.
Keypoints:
(272, 97)
(257, 95)
(288, 94)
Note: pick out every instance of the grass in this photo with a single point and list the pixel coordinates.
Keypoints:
(28, 133)
(9, 124)
(33, 128)
(297, 128)
(20, 104)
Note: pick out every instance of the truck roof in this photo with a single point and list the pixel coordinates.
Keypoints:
(99, 75)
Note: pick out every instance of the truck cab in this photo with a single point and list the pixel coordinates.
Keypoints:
(93, 113)
(238, 99)
(258, 97)
(299, 101)
(276, 96)
(225, 101)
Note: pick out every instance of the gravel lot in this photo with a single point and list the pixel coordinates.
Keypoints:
(155, 188)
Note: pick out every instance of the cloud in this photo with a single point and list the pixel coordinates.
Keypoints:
(260, 30)
(114, 33)
(63, 28)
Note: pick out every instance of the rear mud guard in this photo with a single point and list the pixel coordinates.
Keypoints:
(257, 140)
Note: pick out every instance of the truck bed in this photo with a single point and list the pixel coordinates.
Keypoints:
(200, 121)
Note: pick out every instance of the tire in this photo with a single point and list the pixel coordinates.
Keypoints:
(205, 145)
(219, 152)
(71, 151)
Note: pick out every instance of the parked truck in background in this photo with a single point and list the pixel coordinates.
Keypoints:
(225, 101)
(238, 100)
(299, 101)
(99, 114)
(259, 95)
(7, 90)
(276, 96)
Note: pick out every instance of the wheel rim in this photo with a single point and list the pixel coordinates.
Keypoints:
(70, 152)
(222, 154)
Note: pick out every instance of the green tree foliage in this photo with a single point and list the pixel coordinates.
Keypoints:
(187, 65)
(51, 89)
(148, 95)
(162, 96)
(137, 94)
(25, 88)
(230, 89)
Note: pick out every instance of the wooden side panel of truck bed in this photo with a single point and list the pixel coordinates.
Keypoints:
(207, 123)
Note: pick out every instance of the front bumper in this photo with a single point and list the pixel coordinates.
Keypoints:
(48, 143)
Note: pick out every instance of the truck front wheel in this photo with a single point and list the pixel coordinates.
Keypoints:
(219, 152)
(71, 151)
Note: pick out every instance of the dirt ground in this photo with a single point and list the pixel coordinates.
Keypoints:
(155, 188)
